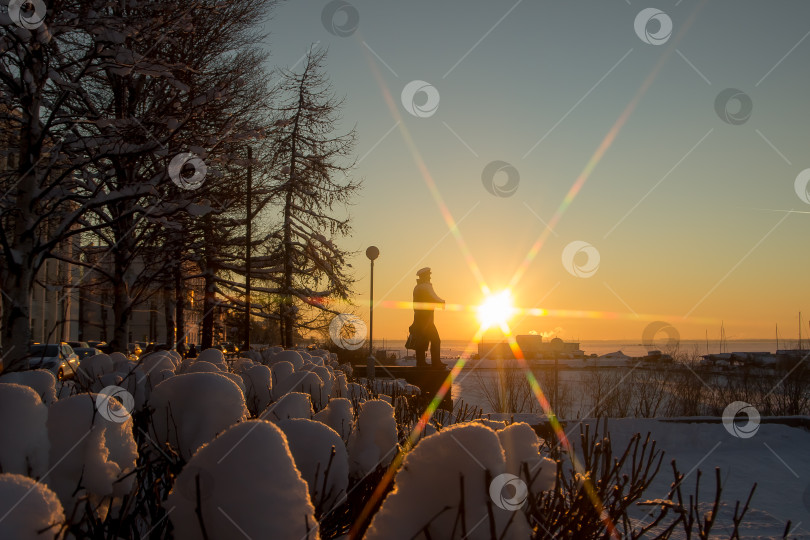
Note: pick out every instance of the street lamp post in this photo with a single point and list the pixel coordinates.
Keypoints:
(248, 227)
(372, 253)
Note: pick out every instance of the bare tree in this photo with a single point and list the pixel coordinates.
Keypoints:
(312, 165)
(53, 177)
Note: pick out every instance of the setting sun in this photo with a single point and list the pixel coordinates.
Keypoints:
(496, 309)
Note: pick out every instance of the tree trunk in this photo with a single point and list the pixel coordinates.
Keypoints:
(122, 312)
(207, 338)
(179, 304)
(16, 334)
(169, 309)
(21, 256)
(122, 303)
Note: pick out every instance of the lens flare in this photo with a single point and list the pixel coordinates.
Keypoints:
(496, 310)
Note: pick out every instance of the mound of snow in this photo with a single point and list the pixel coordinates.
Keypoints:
(158, 361)
(521, 445)
(257, 388)
(66, 389)
(23, 430)
(237, 380)
(124, 365)
(248, 487)
(356, 392)
(338, 416)
(212, 355)
(417, 508)
(327, 376)
(90, 454)
(140, 383)
(291, 405)
(493, 424)
(308, 382)
(340, 388)
(268, 355)
(118, 357)
(201, 366)
(326, 474)
(175, 356)
(91, 368)
(241, 364)
(279, 372)
(29, 509)
(190, 409)
(304, 381)
(373, 442)
(41, 380)
(293, 357)
(256, 356)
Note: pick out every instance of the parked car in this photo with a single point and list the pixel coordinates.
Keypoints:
(56, 358)
(229, 348)
(96, 344)
(78, 344)
(84, 352)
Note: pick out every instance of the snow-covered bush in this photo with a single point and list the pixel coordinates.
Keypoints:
(280, 372)
(242, 364)
(175, 355)
(29, 510)
(492, 424)
(427, 496)
(119, 359)
(248, 487)
(258, 386)
(268, 355)
(157, 361)
(291, 405)
(23, 431)
(212, 355)
(201, 366)
(293, 357)
(91, 368)
(327, 474)
(373, 443)
(256, 356)
(337, 415)
(237, 380)
(328, 378)
(190, 409)
(89, 454)
(356, 392)
(309, 383)
(522, 446)
(41, 380)
(66, 389)
(340, 388)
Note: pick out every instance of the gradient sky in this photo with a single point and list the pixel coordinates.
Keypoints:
(686, 211)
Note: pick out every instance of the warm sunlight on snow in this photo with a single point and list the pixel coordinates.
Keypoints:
(496, 310)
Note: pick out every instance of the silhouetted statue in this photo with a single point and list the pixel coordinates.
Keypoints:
(423, 330)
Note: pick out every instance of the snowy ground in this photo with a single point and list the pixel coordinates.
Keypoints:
(777, 458)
